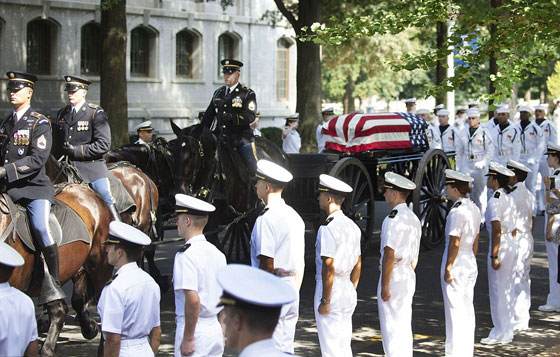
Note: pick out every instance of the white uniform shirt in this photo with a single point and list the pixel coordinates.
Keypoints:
(262, 348)
(339, 239)
(292, 143)
(434, 140)
(279, 233)
(320, 138)
(525, 206)
(491, 124)
(463, 221)
(18, 326)
(532, 143)
(402, 233)
(129, 305)
(501, 208)
(140, 141)
(550, 134)
(197, 269)
(507, 144)
(474, 150)
(447, 138)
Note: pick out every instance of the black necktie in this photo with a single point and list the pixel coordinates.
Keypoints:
(227, 92)
(72, 115)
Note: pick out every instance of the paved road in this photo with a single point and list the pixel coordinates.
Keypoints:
(428, 317)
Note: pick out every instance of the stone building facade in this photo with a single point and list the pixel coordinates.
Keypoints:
(173, 53)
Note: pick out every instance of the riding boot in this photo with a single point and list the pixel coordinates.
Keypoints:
(51, 289)
(115, 213)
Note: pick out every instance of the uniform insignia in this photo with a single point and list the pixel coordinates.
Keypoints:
(263, 211)
(42, 142)
(23, 168)
(184, 247)
(68, 79)
(252, 106)
(328, 220)
(457, 204)
(12, 75)
(226, 62)
(508, 137)
(497, 195)
(237, 102)
(20, 151)
(393, 213)
(111, 280)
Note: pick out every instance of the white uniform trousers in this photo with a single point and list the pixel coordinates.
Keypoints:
(208, 337)
(523, 280)
(335, 329)
(553, 297)
(139, 347)
(500, 286)
(479, 188)
(395, 315)
(544, 170)
(285, 332)
(458, 304)
(531, 181)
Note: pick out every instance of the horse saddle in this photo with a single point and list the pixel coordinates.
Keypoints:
(65, 225)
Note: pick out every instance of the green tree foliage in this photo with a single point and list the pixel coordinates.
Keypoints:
(553, 81)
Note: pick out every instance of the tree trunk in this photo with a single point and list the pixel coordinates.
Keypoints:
(348, 99)
(113, 69)
(441, 68)
(493, 60)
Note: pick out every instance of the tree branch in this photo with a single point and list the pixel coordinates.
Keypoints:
(288, 15)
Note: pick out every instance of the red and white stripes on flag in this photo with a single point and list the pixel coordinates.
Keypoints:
(362, 132)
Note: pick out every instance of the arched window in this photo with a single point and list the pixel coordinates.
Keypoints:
(282, 69)
(227, 48)
(142, 52)
(91, 45)
(39, 46)
(185, 44)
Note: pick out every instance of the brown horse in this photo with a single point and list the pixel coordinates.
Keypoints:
(85, 264)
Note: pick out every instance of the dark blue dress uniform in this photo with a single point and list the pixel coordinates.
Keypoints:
(230, 114)
(25, 146)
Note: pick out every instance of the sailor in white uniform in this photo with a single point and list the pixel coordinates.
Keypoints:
(458, 266)
(278, 244)
(145, 133)
(195, 281)
(252, 300)
(474, 153)
(533, 147)
(129, 304)
(434, 140)
(291, 141)
(18, 327)
(550, 136)
(460, 118)
(327, 115)
(502, 255)
(506, 138)
(410, 105)
(338, 262)
(525, 222)
(400, 245)
(447, 133)
(552, 224)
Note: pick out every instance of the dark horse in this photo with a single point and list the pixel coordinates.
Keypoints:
(214, 171)
(85, 264)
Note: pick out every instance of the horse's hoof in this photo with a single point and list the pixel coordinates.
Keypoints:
(90, 331)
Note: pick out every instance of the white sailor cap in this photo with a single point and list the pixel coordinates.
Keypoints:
(333, 185)
(328, 111)
(146, 125)
(439, 106)
(397, 182)
(452, 176)
(191, 205)
(516, 165)
(461, 108)
(9, 256)
(524, 108)
(120, 232)
(473, 112)
(472, 103)
(504, 109)
(422, 111)
(269, 171)
(249, 287)
(541, 106)
(293, 116)
(498, 169)
(553, 148)
(410, 100)
(443, 112)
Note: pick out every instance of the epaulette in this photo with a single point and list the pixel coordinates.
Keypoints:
(513, 188)
(39, 119)
(184, 247)
(393, 213)
(37, 115)
(94, 106)
(497, 195)
(111, 280)
(263, 211)
(327, 221)
(457, 204)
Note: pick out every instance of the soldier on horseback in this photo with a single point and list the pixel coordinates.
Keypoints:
(231, 111)
(25, 143)
(83, 130)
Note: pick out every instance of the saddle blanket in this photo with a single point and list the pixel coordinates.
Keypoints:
(65, 226)
(377, 131)
(123, 199)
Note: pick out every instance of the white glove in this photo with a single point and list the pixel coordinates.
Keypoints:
(531, 161)
(479, 165)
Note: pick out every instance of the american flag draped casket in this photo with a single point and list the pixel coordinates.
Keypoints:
(377, 131)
